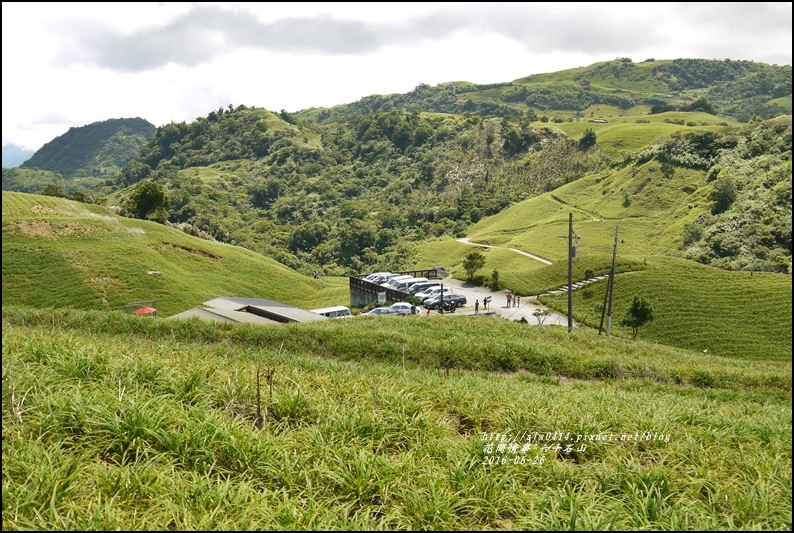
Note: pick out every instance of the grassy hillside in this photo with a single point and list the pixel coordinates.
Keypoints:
(628, 131)
(59, 253)
(649, 208)
(729, 314)
(732, 314)
(649, 205)
(116, 422)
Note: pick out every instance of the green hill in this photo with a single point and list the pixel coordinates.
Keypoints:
(59, 253)
(359, 195)
(730, 314)
(665, 200)
(664, 207)
(98, 150)
(739, 90)
(357, 188)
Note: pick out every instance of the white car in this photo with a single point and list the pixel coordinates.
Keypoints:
(435, 291)
(382, 311)
(405, 308)
(376, 276)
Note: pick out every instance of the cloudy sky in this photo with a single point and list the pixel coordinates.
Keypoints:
(70, 64)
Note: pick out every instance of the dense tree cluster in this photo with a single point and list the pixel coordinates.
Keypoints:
(567, 96)
(738, 89)
(221, 136)
(357, 195)
(749, 224)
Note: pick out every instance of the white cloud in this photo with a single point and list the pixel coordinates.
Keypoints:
(70, 64)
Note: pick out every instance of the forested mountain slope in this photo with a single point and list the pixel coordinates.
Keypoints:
(98, 150)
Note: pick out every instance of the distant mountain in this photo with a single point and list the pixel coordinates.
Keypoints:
(14, 155)
(739, 90)
(98, 150)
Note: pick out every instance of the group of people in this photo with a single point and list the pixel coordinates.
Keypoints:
(513, 300)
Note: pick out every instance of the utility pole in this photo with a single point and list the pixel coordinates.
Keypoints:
(612, 281)
(570, 272)
(604, 305)
(572, 239)
(610, 288)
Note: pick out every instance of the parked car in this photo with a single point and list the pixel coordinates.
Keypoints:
(333, 312)
(422, 287)
(455, 300)
(431, 293)
(404, 285)
(376, 275)
(382, 311)
(379, 278)
(393, 282)
(405, 308)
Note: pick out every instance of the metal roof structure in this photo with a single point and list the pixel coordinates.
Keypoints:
(223, 315)
(275, 311)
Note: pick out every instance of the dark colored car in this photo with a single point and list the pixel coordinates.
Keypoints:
(451, 302)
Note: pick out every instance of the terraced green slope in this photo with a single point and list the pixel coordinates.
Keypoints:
(729, 314)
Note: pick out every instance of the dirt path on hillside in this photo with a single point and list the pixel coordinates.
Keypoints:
(466, 240)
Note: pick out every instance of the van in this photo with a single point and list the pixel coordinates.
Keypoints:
(333, 312)
(405, 284)
(419, 287)
(393, 282)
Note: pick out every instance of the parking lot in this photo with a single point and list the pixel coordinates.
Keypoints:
(498, 305)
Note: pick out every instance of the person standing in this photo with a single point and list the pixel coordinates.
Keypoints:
(518, 301)
(476, 306)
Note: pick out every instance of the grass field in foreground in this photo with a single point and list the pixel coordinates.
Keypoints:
(115, 423)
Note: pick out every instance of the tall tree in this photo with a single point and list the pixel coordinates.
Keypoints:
(474, 261)
(149, 201)
(638, 314)
(587, 139)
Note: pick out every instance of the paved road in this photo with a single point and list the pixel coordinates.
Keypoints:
(498, 305)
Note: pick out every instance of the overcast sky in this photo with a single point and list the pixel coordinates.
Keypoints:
(70, 64)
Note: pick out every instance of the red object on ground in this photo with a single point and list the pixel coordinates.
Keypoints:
(145, 310)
